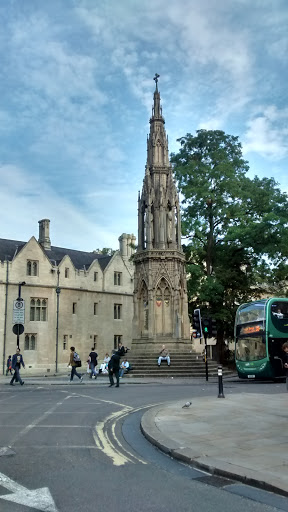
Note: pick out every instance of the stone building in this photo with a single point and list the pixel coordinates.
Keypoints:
(160, 291)
(71, 297)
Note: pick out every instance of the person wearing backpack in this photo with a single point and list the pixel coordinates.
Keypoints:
(74, 363)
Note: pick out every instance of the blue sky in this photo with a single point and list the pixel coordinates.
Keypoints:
(76, 91)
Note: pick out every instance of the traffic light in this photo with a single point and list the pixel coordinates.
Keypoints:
(212, 328)
(205, 324)
(197, 322)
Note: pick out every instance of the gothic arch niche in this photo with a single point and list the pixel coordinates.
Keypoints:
(143, 309)
(163, 309)
(179, 319)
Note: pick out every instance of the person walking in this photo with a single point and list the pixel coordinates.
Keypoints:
(113, 368)
(93, 363)
(74, 365)
(17, 360)
(9, 366)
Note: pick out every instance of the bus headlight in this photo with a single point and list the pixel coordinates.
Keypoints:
(262, 366)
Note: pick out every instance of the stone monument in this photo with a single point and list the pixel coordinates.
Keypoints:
(160, 291)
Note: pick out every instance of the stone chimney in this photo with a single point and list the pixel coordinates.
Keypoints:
(44, 234)
(123, 245)
(127, 245)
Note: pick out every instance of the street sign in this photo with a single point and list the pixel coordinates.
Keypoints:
(18, 329)
(18, 312)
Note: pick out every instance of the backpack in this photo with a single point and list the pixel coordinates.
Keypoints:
(77, 359)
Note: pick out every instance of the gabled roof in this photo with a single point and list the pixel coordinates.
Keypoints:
(8, 248)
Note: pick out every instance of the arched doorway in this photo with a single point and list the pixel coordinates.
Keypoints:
(163, 309)
(143, 310)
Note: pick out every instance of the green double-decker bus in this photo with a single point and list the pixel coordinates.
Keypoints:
(261, 328)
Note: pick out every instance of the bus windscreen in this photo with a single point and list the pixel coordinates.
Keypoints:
(251, 313)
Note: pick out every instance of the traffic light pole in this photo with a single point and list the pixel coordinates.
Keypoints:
(206, 359)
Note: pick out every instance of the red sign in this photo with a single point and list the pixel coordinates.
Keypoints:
(251, 329)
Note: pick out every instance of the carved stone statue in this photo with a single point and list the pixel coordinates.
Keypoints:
(169, 226)
(152, 227)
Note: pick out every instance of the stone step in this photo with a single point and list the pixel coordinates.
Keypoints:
(183, 364)
(175, 366)
(172, 359)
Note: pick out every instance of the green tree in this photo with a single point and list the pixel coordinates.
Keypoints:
(236, 227)
(107, 251)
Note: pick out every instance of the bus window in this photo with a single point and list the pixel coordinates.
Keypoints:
(254, 312)
(250, 349)
(279, 316)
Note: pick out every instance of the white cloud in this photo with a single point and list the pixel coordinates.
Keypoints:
(267, 134)
(75, 81)
(24, 201)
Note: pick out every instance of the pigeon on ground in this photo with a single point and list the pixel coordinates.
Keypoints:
(186, 405)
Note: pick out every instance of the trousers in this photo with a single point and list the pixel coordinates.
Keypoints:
(116, 373)
(16, 376)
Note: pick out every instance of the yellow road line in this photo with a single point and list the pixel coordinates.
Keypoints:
(101, 438)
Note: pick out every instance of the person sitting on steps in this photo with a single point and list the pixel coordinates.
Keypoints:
(164, 356)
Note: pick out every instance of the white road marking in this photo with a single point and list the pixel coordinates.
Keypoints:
(36, 421)
(105, 401)
(10, 397)
(62, 447)
(39, 499)
(58, 412)
(63, 426)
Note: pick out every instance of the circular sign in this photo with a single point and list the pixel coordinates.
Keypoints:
(19, 304)
(18, 329)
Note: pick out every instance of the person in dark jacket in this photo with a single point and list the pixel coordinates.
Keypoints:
(113, 369)
(93, 362)
(17, 360)
(9, 365)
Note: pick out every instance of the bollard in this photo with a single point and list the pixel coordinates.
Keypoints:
(220, 383)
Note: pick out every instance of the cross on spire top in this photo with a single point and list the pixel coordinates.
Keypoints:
(156, 80)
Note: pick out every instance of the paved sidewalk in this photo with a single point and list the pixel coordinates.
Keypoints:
(63, 379)
(244, 436)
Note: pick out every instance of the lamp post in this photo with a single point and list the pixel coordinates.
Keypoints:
(58, 291)
(19, 328)
(19, 290)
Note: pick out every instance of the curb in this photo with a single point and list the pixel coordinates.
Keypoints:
(184, 454)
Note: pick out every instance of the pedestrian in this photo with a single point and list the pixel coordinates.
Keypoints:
(104, 365)
(285, 360)
(113, 368)
(164, 356)
(121, 349)
(9, 365)
(74, 364)
(93, 363)
(17, 360)
(124, 368)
